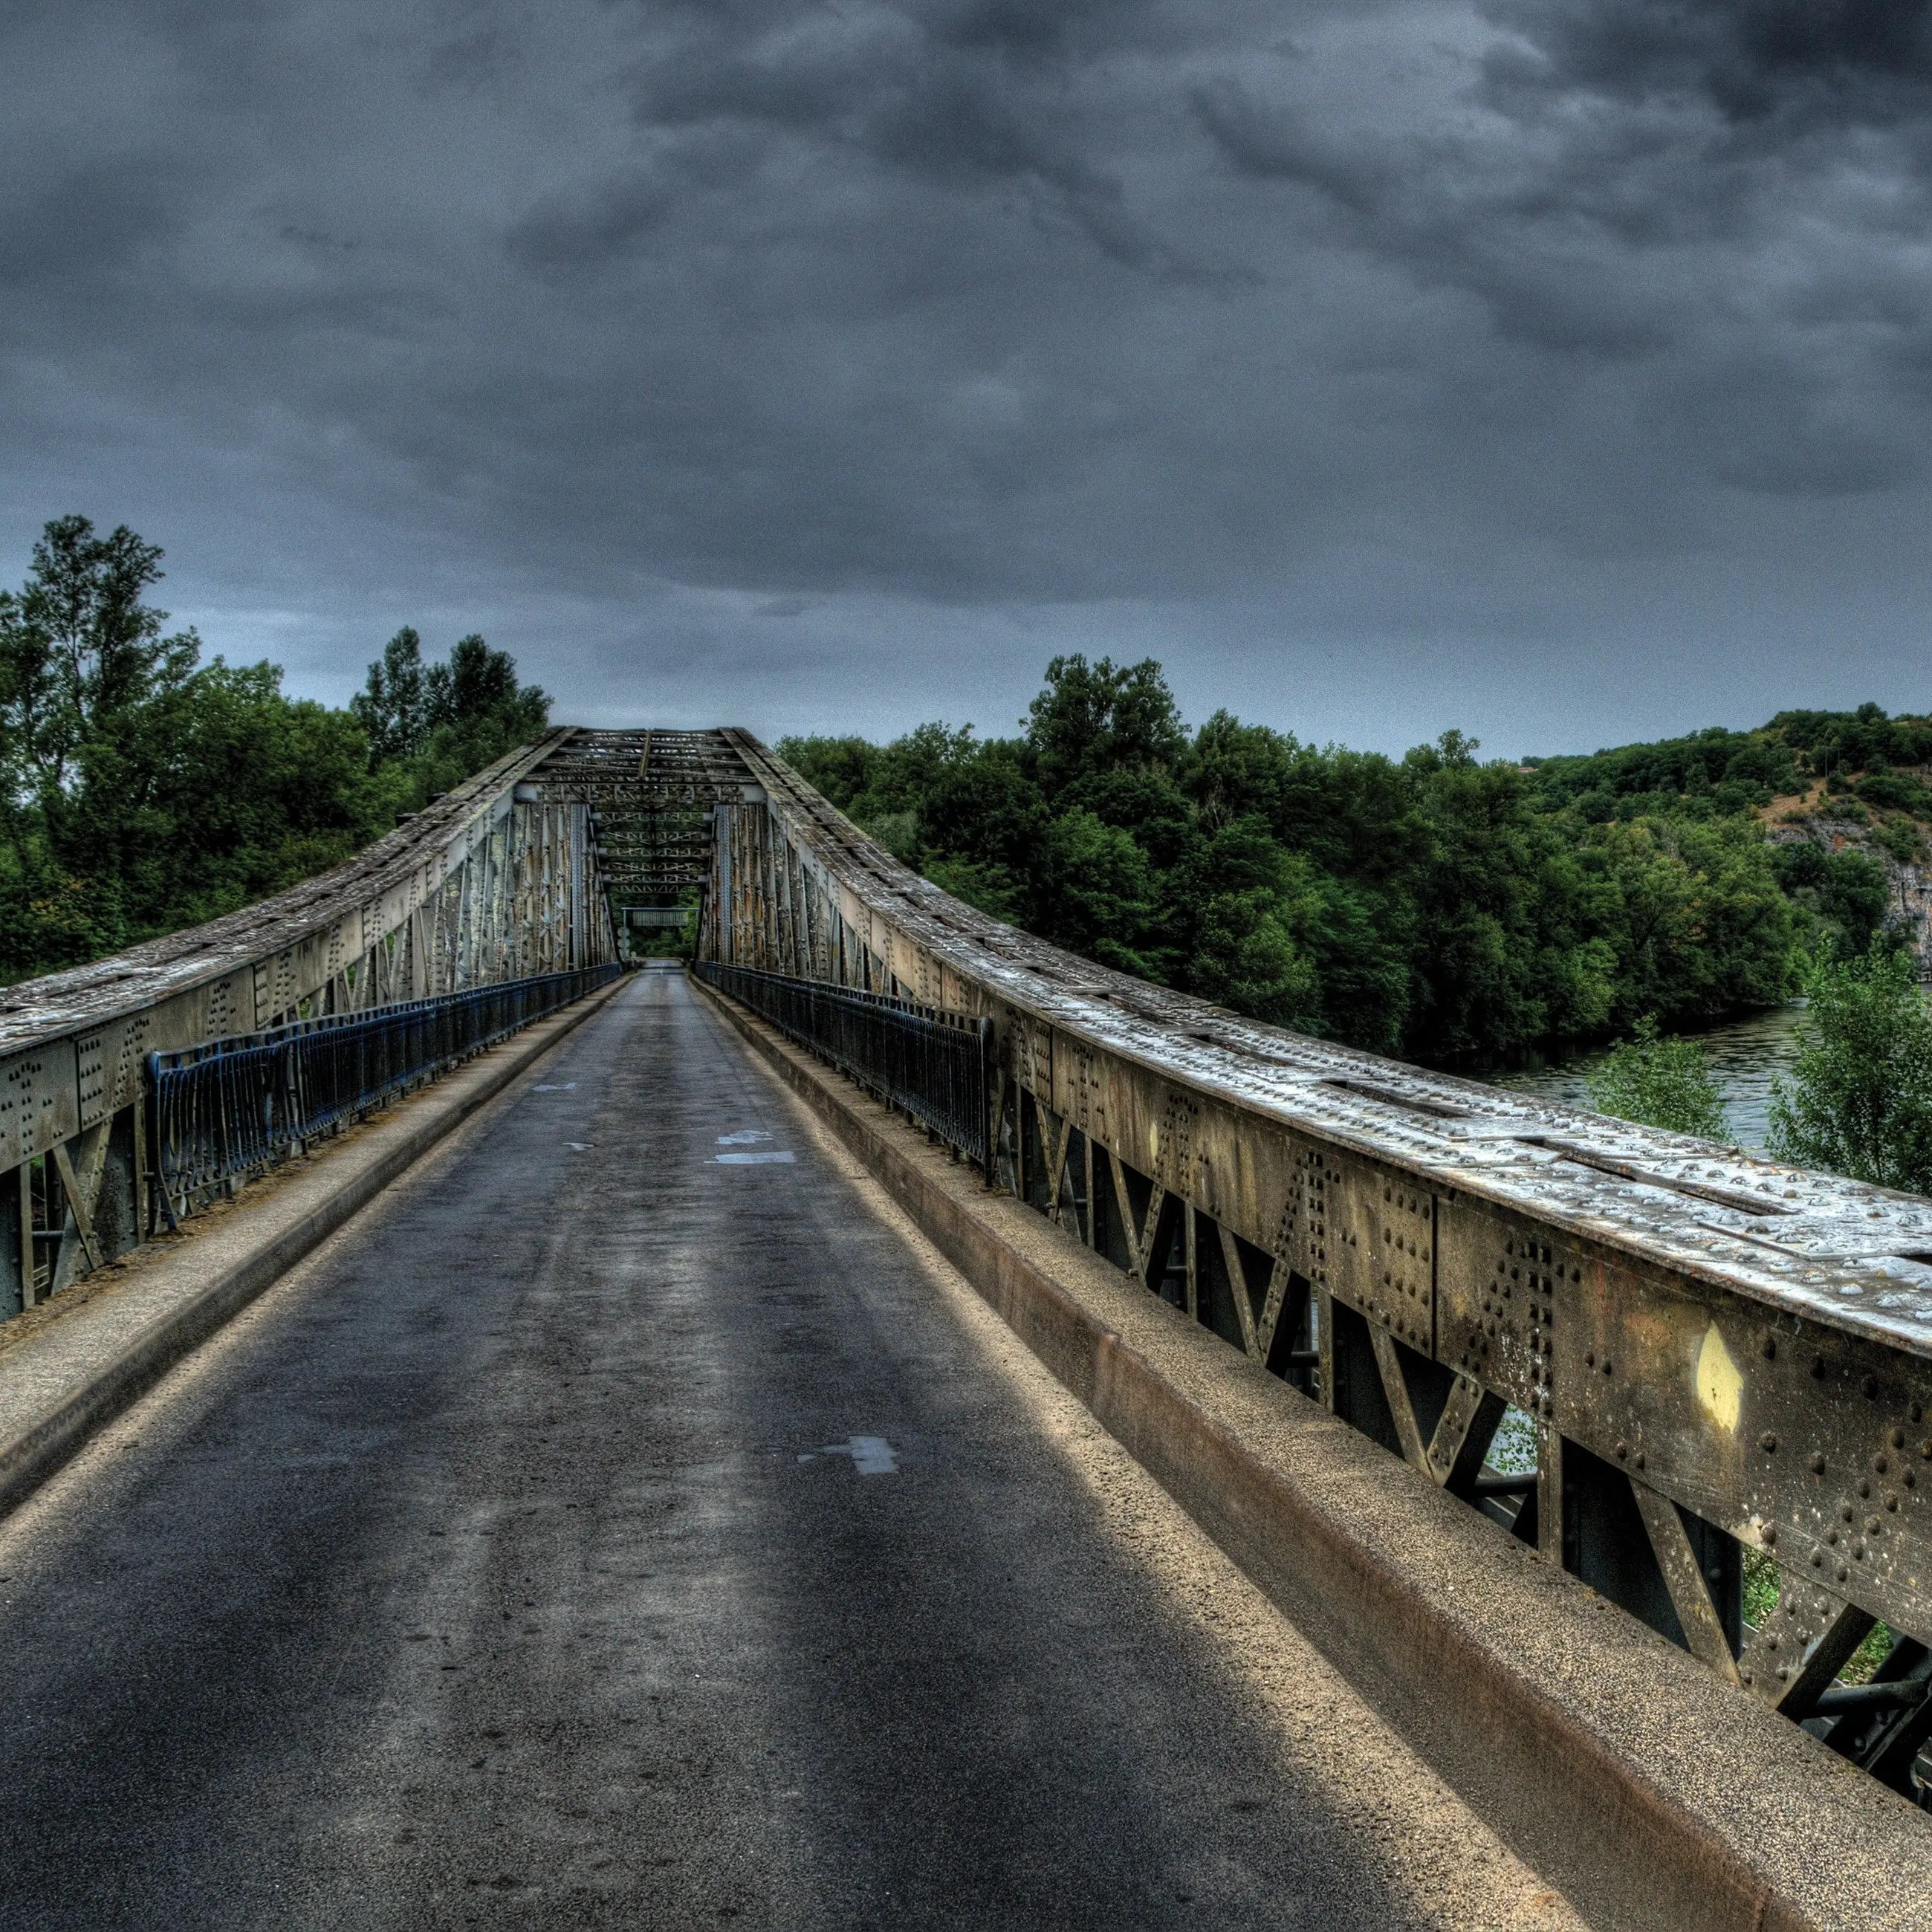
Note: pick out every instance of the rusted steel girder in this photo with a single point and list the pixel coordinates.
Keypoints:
(1708, 1354)
(491, 883)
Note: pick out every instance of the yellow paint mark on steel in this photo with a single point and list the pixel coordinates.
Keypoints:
(1719, 1384)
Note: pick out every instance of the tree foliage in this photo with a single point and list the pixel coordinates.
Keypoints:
(1436, 906)
(141, 790)
(1661, 1082)
(448, 720)
(1859, 1102)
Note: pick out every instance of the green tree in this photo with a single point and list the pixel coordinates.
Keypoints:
(1859, 1102)
(1660, 1082)
(444, 721)
(1702, 928)
(141, 790)
(1844, 894)
(1096, 718)
(80, 650)
(390, 706)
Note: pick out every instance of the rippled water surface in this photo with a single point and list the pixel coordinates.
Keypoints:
(1745, 1058)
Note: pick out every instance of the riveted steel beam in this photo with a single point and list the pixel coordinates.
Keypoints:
(1676, 1325)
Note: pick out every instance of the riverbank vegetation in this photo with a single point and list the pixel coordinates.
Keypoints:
(1660, 1081)
(143, 790)
(1859, 1101)
(1440, 907)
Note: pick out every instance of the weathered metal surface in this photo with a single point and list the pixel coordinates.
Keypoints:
(487, 884)
(1748, 1341)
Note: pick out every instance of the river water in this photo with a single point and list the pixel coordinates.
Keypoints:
(1745, 1058)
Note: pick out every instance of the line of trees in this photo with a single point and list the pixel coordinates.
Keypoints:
(1435, 906)
(143, 790)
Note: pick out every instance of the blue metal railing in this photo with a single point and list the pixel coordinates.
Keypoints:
(937, 1067)
(229, 1108)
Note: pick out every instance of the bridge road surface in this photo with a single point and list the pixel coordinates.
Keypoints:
(517, 1562)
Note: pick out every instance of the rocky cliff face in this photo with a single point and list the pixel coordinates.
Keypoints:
(1844, 826)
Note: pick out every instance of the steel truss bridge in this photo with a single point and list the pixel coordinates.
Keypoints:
(1656, 1362)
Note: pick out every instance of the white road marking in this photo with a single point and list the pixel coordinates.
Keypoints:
(743, 1137)
(554, 1086)
(579, 1146)
(752, 1159)
(872, 1455)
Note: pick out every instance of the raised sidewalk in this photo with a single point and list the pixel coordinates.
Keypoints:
(72, 1364)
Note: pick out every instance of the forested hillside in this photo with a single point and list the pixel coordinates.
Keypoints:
(145, 790)
(1433, 906)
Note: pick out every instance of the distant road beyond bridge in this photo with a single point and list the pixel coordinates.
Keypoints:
(1385, 1501)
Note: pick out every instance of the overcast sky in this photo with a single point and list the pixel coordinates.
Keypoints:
(1558, 370)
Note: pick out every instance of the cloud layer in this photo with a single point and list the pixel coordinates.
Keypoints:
(1557, 368)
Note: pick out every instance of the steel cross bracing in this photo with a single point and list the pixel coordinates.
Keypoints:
(1705, 1354)
(489, 883)
(651, 795)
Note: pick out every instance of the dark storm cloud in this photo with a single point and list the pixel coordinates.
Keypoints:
(1407, 350)
(1754, 59)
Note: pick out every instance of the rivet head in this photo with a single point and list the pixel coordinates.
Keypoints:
(1767, 1442)
(1639, 1458)
(1770, 1536)
(1843, 1572)
(1623, 1451)
(1770, 1349)
(1880, 1464)
(1817, 1463)
(1818, 1367)
(1870, 1385)
(1590, 1357)
(1897, 1438)
(1892, 1499)
(1831, 1538)
(1873, 1526)
(1607, 1365)
(1864, 1486)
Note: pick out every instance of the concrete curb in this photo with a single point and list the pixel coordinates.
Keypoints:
(1655, 1796)
(217, 1286)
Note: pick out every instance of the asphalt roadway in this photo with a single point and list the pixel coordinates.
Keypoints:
(625, 1522)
